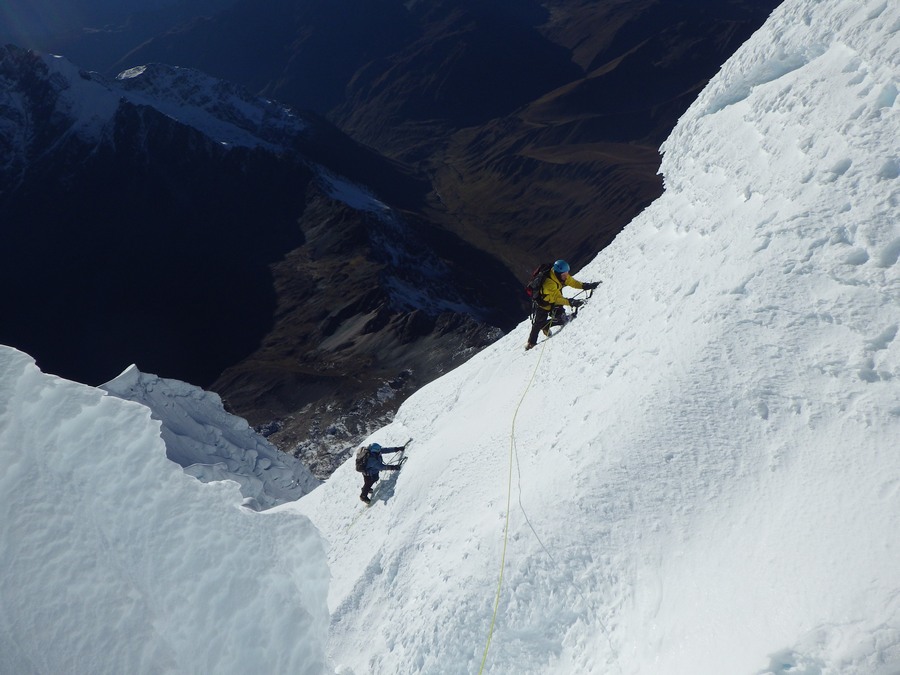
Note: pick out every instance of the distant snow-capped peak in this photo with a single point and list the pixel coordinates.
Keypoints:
(86, 102)
(222, 110)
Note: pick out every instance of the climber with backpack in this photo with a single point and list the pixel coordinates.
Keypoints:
(548, 302)
(369, 463)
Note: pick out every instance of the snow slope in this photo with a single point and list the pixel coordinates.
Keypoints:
(700, 474)
(116, 561)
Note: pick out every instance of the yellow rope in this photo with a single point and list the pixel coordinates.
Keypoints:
(512, 445)
(512, 442)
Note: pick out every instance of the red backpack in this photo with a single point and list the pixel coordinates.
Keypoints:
(534, 287)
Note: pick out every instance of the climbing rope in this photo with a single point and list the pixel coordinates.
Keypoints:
(514, 453)
(584, 597)
(512, 442)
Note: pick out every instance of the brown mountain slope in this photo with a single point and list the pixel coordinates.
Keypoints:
(517, 131)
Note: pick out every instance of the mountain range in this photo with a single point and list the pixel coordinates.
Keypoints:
(317, 207)
(697, 476)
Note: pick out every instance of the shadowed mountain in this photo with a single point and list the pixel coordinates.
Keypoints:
(563, 174)
(174, 220)
(538, 122)
(492, 135)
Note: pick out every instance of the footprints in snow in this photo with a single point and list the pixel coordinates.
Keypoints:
(890, 170)
(868, 372)
(884, 339)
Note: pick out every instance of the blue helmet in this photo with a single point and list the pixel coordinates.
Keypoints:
(374, 447)
(560, 266)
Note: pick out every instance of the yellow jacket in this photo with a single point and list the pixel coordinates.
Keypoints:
(552, 290)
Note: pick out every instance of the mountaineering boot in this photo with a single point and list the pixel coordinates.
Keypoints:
(546, 330)
(365, 499)
(528, 345)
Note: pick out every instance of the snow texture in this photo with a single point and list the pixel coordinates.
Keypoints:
(116, 561)
(700, 473)
(697, 476)
(213, 445)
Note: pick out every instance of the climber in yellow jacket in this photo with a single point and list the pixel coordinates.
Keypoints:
(549, 307)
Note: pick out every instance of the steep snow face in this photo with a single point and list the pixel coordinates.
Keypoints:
(213, 445)
(699, 474)
(114, 560)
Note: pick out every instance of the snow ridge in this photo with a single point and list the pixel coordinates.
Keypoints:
(114, 560)
(222, 110)
(699, 474)
(213, 445)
